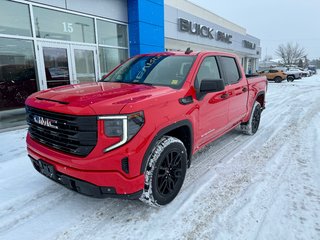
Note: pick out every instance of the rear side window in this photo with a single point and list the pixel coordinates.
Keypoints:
(208, 70)
(273, 71)
(231, 70)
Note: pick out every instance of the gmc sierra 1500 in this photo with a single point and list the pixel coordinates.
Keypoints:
(133, 133)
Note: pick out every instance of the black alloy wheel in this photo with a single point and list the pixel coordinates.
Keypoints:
(165, 171)
(169, 173)
(256, 119)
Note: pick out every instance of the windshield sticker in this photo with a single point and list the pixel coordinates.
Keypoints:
(174, 82)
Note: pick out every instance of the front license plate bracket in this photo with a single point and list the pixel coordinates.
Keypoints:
(46, 169)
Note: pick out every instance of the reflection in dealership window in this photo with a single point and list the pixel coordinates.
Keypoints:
(112, 34)
(63, 26)
(110, 58)
(17, 72)
(56, 66)
(17, 23)
(85, 69)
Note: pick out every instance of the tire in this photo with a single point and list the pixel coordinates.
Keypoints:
(278, 79)
(251, 127)
(290, 78)
(165, 172)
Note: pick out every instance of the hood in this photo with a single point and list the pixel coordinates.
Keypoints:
(109, 96)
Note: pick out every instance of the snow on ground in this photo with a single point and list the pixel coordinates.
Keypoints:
(264, 186)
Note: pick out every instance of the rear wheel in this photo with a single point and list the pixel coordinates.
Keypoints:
(251, 127)
(165, 172)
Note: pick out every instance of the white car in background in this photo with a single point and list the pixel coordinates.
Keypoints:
(308, 73)
(305, 72)
(293, 73)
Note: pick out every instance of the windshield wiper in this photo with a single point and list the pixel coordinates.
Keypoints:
(143, 83)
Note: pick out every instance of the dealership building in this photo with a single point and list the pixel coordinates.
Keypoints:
(49, 43)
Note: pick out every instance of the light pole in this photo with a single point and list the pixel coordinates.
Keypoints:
(82, 29)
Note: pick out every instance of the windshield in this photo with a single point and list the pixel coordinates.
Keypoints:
(157, 70)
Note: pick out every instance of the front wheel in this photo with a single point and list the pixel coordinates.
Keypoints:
(278, 79)
(251, 127)
(165, 172)
(290, 78)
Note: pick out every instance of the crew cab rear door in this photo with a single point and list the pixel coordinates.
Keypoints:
(213, 106)
(236, 90)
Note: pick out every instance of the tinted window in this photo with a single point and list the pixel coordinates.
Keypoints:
(273, 71)
(208, 70)
(231, 69)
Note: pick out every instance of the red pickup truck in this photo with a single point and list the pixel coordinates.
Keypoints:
(133, 133)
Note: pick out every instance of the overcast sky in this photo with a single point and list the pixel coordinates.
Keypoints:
(274, 22)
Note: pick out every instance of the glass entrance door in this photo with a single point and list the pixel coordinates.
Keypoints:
(85, 67)
(55, 64)
(63, 64)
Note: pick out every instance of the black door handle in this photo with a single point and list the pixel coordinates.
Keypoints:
(225, 96)
(244, 89)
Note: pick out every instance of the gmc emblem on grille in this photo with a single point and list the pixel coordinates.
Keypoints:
(45, 121)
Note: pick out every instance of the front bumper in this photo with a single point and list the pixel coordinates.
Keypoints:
(103, 172)
(78, 185)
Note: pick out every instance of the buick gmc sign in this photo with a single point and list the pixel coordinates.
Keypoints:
(203, 31)
(248, 44)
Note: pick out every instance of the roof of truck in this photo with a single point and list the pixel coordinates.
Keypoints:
(193, 53)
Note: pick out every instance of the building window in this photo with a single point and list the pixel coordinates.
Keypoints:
(63, 26)
(15, 19)
(112, 34)
(110, 58)
(113, 44)
(17, 72)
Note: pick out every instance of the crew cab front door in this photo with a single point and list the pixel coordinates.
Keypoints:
(236, 90)
(213, 107)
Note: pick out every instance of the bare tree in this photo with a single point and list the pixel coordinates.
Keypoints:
(290, 53)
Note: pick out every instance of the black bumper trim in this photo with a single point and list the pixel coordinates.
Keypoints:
(78, 185)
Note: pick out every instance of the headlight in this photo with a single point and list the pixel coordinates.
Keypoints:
(135, 122)
(123, 126)
(113, 127)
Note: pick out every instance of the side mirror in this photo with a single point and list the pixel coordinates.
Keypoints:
(211, 85)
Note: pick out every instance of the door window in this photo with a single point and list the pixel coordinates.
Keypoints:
(208, 70)
(56, 66)
(84, 65)
(232, 72)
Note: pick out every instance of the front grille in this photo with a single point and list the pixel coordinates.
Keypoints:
(71, 134)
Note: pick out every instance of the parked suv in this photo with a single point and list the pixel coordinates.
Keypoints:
(274, 75)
